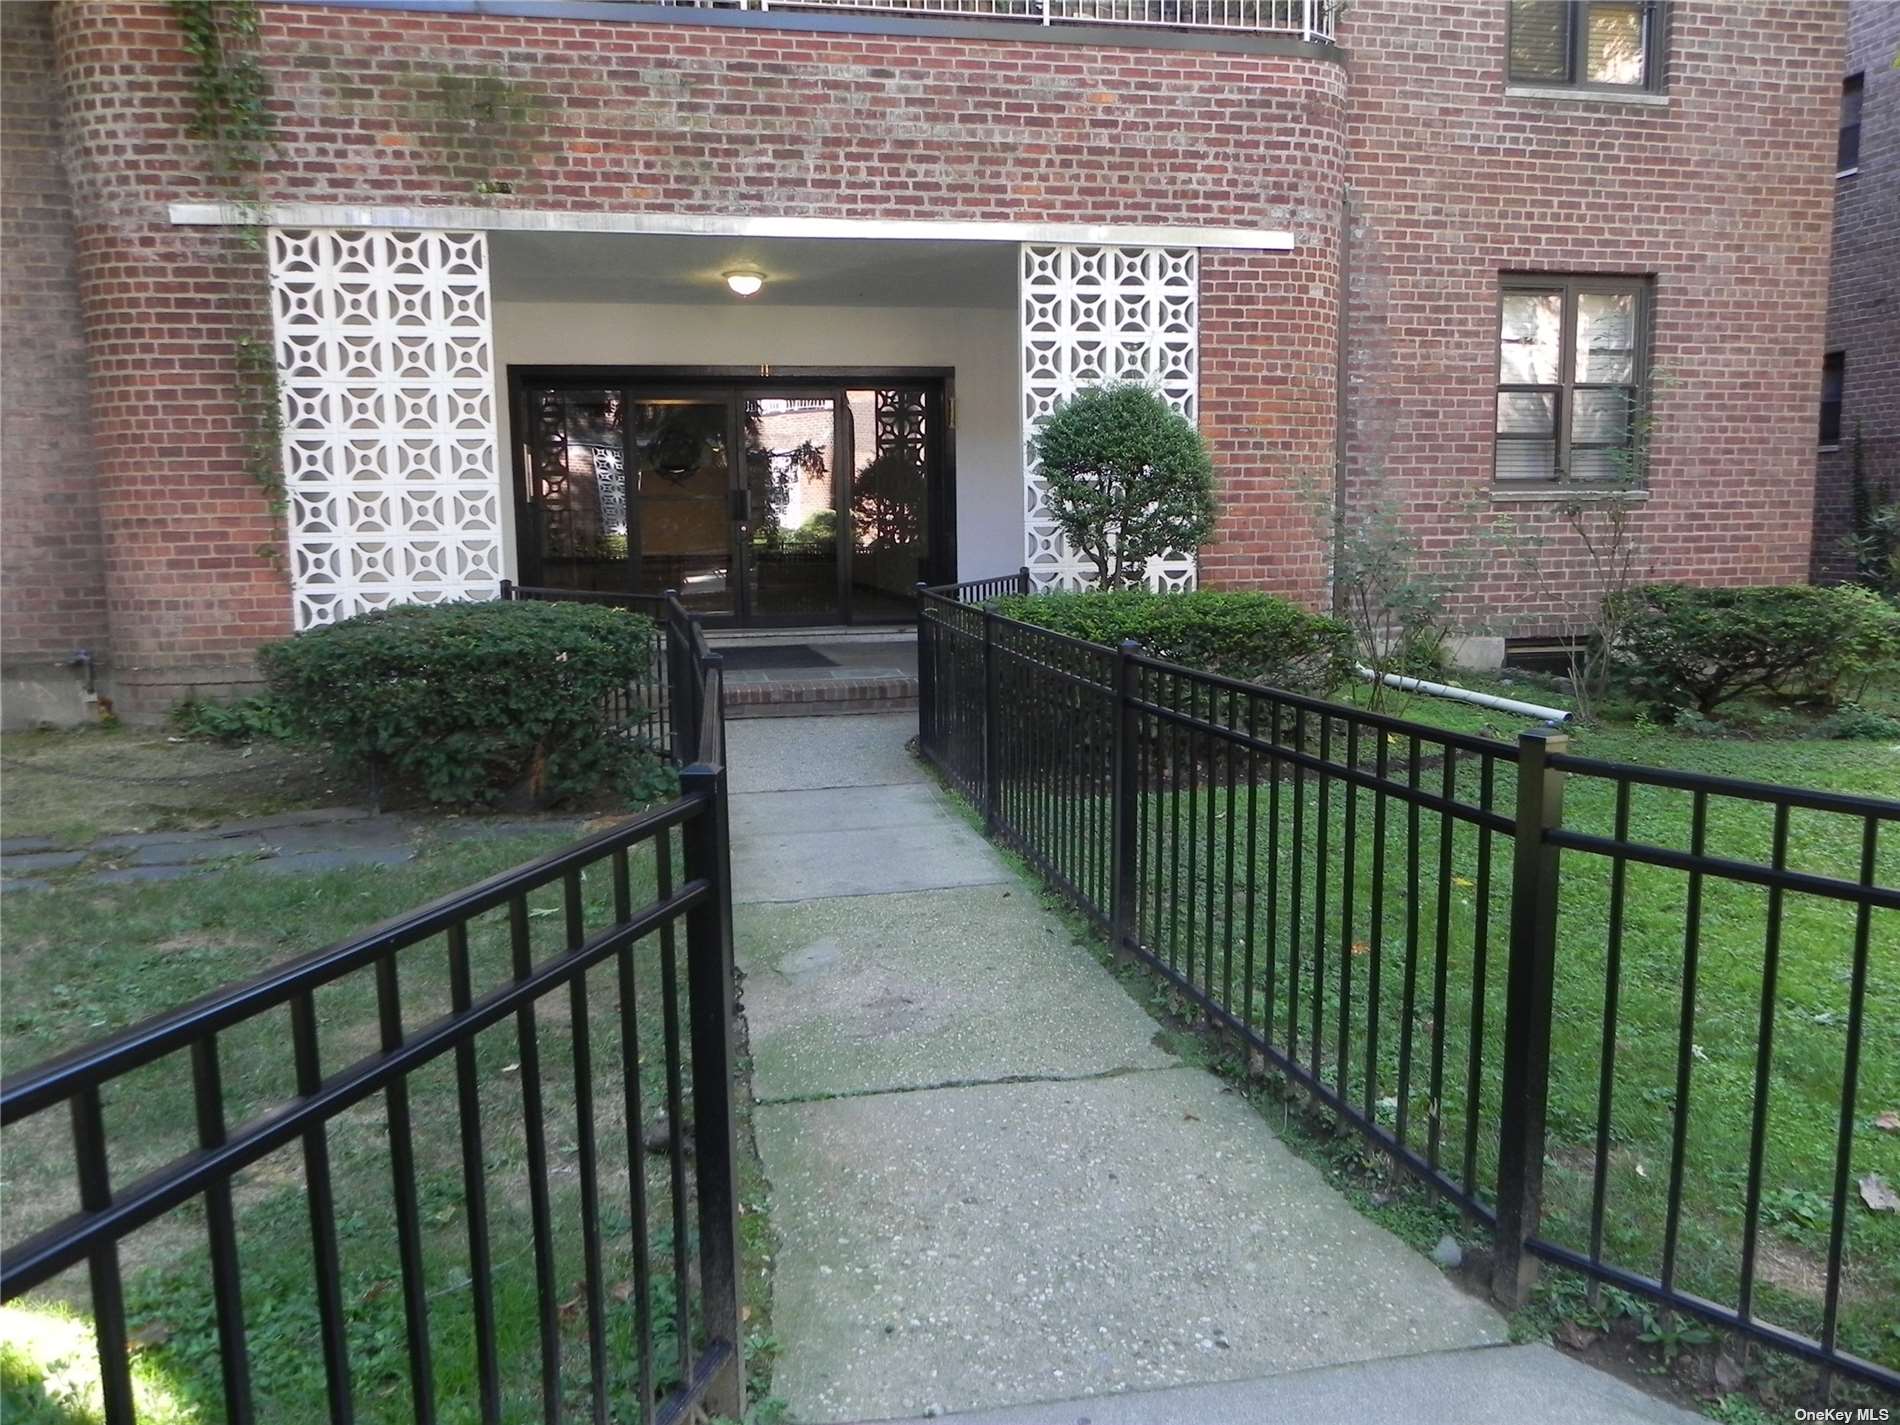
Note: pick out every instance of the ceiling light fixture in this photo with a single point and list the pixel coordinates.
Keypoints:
(744, 281)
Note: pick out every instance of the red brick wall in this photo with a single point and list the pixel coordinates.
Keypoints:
(1863, 316)
(51, 586)
(375, 107)
(1724, 195)
(189, 593)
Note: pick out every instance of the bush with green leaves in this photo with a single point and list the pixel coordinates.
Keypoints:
(1257, 637)
(472, 702)
(1686, 647)
(1128, 480)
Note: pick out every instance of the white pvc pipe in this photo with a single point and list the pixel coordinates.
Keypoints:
(1465, 695)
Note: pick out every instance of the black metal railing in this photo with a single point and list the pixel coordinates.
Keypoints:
(1371, 906)
(497, 1175)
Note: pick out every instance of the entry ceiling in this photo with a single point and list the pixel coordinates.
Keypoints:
(617, 267)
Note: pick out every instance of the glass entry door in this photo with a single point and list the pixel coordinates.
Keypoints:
(796, 504)
(679, 499)
(789, 510)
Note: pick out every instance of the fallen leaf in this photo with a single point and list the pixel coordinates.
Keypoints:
(1875, 1192)
(1641, 1171)
(1359, 947)
(1192, 1117)
(1729, 1374)
(1889, 1122)
(1575, 1335)
(745, 1313)
(622, 1291)
(153, 1333)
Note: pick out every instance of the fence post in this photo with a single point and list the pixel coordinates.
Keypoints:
(926, 684)
(678, 677)
(715, 1129)
(992, 727)
(1125, 787)
(507, 590)
(1527, 1010)
(1022, 581)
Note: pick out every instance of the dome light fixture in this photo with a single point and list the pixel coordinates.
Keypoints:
(744, 281)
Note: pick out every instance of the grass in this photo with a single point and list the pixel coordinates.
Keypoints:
(83, 960)
(1433, 1076)
(72, 787)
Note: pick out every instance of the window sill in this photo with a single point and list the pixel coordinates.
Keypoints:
(1577, 91)
(1848, 172)
(1829, 450)
(1563, 494)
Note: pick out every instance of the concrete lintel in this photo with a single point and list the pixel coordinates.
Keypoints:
(542, 220)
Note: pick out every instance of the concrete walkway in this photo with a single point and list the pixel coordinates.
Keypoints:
(995, 1193)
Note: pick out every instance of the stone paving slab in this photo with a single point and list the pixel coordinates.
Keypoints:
(833, 809)
(810, 864)
(904, 991)
(343, 859)
(1494, 1385)
(952, 1249)
(40, 860)
(132, 875)
(788, 753)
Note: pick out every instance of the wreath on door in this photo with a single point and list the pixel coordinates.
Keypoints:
(678, 452)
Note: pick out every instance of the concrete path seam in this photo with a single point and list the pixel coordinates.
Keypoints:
(1094, 1076)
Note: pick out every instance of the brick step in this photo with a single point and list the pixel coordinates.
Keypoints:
(818, 697)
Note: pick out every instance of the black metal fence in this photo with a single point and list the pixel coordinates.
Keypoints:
(1372, 907)
(668, 698)
(623, 1316)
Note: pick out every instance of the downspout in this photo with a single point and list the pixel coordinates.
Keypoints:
(1466, 695)
(1339, 392)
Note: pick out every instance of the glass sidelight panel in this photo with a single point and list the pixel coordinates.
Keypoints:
(681, 509)
(889, 501)
(789, 505)
(578, 489)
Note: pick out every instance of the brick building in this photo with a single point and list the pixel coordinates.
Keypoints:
(487, 270)
(1860, 413)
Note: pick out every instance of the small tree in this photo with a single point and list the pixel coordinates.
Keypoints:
(1128, 478)
(1402, 602)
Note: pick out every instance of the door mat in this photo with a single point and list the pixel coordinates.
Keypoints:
(772, 660)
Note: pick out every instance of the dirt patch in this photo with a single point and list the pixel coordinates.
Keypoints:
(187, 944)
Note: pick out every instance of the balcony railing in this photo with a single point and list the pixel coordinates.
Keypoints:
(1310, 20)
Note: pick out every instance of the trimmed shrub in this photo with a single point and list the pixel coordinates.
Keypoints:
(472, 702)
(1257, 637)
(1698, 648)
(1129, 480)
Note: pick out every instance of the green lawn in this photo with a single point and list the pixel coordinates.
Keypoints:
(83, 960)
(1421, 1065)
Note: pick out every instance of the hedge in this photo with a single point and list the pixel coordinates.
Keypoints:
(1680, 646)
(1256, 637)
(471, 702)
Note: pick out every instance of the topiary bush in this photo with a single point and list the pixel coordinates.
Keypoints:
(1257, 637)
(473, 702)
(1685, 647)
(1128, 480)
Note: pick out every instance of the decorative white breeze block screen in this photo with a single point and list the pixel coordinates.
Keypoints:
(386, 357)
(1093, 316)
